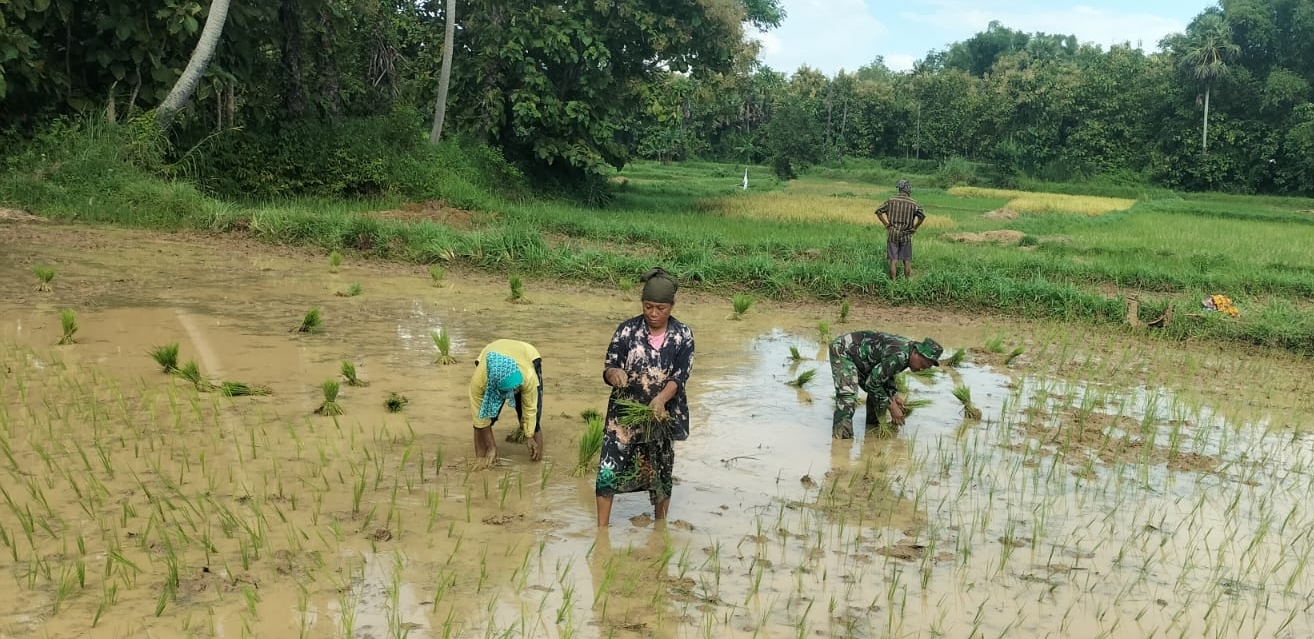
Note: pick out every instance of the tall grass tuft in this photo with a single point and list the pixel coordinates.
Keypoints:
(166, 356)
(330, 406)
(335, 261)
(311, 323)
(803, 378)
(395, 403)
(957, 358)
(238, 389)
(517, 289)
(349, 374)
(845, 307)
(964, 396)
(741, 303)
(68, 321)
(590, 441)
(44, 275)
(443, 341)
(436, 274)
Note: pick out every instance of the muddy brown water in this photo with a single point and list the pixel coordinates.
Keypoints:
(1113, 488)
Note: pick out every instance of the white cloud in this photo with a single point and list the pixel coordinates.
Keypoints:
(900, 61)
(827, 35)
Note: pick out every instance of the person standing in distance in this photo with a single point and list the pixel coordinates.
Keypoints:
(901, 216)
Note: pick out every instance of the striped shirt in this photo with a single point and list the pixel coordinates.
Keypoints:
(902, 212)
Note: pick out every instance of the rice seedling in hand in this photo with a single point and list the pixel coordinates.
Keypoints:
(517, 290)
(353, 290)
(335, 260)
(349, 373)
(844, 311)
(395, 403)
(590, 441)
(311, 323)
(1012, 355)
(910, 404)
(964, 396)
(741, 302)
(166, 356)
(44, 275)
(641, 419)
(436, 274)
(330, 406)
(68, 320)
(957, 358)
(823, 331)
(794, 355)
(238, 389)
(444, 343)
(803, 378)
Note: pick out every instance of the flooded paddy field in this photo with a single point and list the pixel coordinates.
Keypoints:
(1114, 486)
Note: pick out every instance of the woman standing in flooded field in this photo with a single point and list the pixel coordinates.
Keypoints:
(648, 362)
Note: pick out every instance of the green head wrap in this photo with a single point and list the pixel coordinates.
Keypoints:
(658, 286)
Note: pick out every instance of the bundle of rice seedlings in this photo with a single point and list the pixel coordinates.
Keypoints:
(901, 382)
(741, 303)
(823, 331)
(517, 289)
(844, 311)
(640, 419)
(995, 344)
(311, 323)
(330, 406)
(964, 395)
(68, 320)
(353, 290)
(192, 373)
(44, 275)
(590, 442)
(349, 373)
(444, 343)
(957, 358)
(1012, 355)
(926, 374)
(803, 378)
(238, 389)
(335, 260)
(166, 356)
(395, 403)
(794, 355)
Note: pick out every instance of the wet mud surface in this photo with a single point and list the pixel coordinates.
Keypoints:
(1113, 486)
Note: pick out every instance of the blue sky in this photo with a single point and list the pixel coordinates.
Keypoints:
(830, 35)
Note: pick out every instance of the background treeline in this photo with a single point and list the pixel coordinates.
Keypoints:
(335, 97)
(1036, 105)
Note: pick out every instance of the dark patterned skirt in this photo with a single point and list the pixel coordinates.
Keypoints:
(637, 467)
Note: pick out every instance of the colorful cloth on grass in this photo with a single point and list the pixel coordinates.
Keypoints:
(627, 464)
(868, 361)
(1222, 304)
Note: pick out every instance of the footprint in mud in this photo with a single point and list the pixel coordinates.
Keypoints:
(807, 481)
(382, 534)
(642, 521)
(682, 524)
(906, 552)
(503, 519)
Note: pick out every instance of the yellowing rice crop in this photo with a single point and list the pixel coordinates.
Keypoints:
(1026, 202)
(793, 207)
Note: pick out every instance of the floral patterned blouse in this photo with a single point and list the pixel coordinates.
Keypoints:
(649, 369)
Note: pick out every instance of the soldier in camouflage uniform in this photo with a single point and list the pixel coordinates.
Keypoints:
(869, 360)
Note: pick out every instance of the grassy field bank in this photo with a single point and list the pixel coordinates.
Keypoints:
(1069, 257)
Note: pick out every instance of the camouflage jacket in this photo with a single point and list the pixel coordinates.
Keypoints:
(878, 358)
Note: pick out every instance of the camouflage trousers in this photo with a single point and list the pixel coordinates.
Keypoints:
(848, 382)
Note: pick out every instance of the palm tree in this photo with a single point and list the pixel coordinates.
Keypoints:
(1207, 50)
(445, 75)
(191, 76)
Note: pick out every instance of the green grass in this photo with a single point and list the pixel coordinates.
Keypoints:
(1168, 248)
